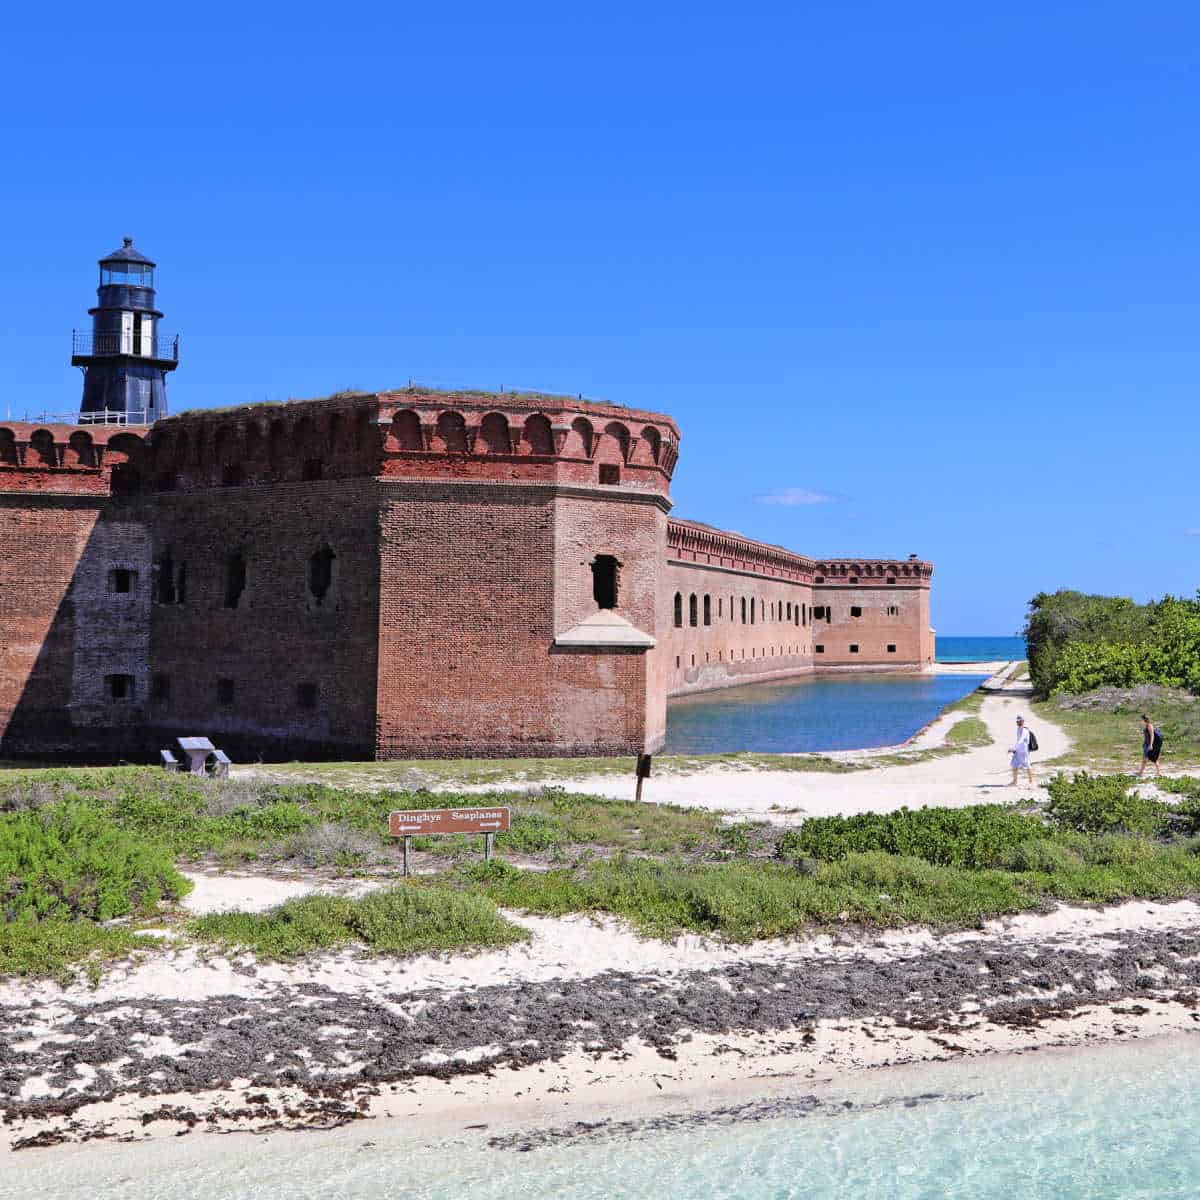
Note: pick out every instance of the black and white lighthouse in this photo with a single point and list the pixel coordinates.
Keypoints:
(125, 358)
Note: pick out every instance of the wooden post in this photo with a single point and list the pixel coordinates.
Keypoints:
(488, 839)
(643, 772)
(407, 852)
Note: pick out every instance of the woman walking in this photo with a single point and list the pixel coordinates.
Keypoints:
(1151, 746)
(1020, 753)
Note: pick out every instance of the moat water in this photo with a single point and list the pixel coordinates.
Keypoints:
(811, 714)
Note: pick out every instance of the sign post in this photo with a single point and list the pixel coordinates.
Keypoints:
(643, 773)
(424, 822)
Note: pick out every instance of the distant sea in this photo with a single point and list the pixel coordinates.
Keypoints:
(979, 649)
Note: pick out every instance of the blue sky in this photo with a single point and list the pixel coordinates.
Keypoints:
(911, 277)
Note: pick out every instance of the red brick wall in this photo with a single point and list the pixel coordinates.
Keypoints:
(278, 638)
(462, 529)
(469, 611)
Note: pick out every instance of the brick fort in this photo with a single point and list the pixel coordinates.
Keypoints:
(376, 575)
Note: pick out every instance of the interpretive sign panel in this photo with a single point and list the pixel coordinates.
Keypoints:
(420, 822)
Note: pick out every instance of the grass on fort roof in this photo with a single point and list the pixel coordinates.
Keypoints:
(407, 390)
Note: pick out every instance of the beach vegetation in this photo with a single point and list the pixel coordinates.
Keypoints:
(978, 836)
(408, 919)
(1103, 804)
(1079, 642)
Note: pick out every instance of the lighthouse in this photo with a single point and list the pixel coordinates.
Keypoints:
(125, 358)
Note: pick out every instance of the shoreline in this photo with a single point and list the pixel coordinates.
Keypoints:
(585, 1015)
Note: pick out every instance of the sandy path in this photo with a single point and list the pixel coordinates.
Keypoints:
(973, 777)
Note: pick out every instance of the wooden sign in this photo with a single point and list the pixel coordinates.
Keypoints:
(421, 822)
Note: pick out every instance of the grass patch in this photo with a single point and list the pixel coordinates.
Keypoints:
(404, 920)
(971, 703)
(1106, 728)
(968, 733)
(55, 948)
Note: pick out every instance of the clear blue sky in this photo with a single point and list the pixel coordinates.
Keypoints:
(929, 267)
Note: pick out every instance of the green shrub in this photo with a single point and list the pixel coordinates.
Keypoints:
(404, 920)
(52, 948)
(69, 861)
(1043, 855)
(977, 836)
(1103, 804)
(1118, 850)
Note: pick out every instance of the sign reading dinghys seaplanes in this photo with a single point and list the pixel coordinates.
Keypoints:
(423, 821)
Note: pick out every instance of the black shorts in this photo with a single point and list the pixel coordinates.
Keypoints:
(1151, 753)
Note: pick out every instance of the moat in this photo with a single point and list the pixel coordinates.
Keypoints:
(842, 713)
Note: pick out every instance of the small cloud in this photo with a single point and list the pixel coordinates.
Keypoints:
(795, 497)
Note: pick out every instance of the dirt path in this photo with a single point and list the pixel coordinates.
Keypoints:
(972, 777)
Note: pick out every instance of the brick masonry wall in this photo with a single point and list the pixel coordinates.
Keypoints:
(385, 575)
(891, 631)
(469, 610)
(302, 670)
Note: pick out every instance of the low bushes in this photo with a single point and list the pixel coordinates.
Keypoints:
(1103, 804)
(404, 920)
(977, 836)
(68, 862)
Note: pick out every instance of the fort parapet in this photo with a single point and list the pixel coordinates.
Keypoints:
(397, 573)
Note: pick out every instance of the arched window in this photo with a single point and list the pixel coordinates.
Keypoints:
(743, 610)
(320, 574)
(692, 610)
(537, 436)
(405, 433)
(80, 449)
(41, 449)
(797, 613)
(451, 434)
(653, 441)
(804, 614)
(580, 439)
(605, 580)
(753, 606)
(789, 610)
(8, 448)
(731, 616)
(707, 610)
(493, 435)
(678, 610)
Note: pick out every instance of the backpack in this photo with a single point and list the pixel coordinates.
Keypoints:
(1158, 739)
(1032, 740)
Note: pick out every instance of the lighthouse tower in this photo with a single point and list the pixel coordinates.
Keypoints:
(125, 358)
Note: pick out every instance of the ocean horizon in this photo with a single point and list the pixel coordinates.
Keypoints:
(979, 648)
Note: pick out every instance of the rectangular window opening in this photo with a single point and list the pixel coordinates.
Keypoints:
(160, 687)
(120, 687)
(121, 580)
(818, 649)
(306, 695)
(853, 647)
(891, 647)
(610, 474)
(225, 692)
(855, 610)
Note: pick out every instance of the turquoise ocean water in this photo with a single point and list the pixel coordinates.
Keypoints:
(1107, 1123)
(978, 649)
(838, 713)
